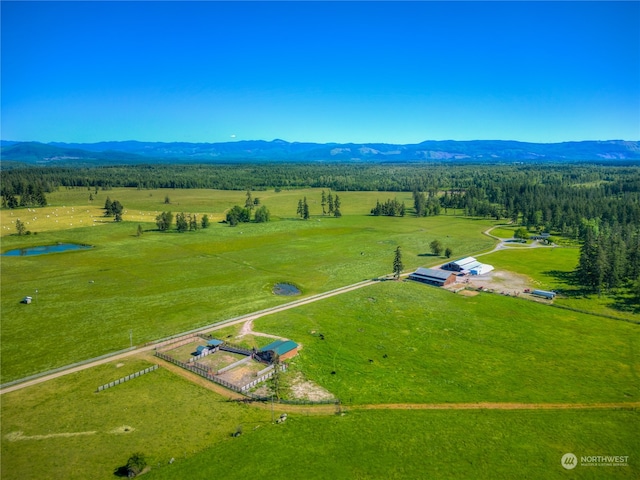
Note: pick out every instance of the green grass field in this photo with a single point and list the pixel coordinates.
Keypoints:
(160, 284)
(393, 342)
(167, 417)
(442, 347)
(552, 269)
(422, 444)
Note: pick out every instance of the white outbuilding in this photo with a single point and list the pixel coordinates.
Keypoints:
(481, 269)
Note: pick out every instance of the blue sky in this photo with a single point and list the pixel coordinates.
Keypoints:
(389, 72)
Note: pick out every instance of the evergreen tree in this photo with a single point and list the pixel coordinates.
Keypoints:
(182, 225)
(300, 210)
(305, 209)
(193, 222)
(323, 202)
(397, 263)
(436, 247)
(336, 207)
(20, 227)
(140, 231)
(330, 203)
(205, 221)
(107, 207)
(249, 201)
(262, 214)
(163, 221)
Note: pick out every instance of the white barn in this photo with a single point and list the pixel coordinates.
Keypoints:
(481, 269)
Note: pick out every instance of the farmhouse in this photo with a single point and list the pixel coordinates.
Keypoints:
(284, 349)
(462, 265)
(431, 276)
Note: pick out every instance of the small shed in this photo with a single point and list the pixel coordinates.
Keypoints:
(433, 276)
(214, 342)
(285, 349)
(200, 350)
(26, 300)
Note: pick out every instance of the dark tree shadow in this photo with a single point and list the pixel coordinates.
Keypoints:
(121, 471)
(571, 286)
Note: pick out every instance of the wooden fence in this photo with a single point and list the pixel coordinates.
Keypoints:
(127, 378)
(175, 343)
(262, 378)
(233, 365)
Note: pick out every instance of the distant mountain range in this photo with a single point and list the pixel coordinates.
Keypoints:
(490, 151)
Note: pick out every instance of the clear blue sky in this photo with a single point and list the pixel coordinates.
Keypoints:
(322, 72)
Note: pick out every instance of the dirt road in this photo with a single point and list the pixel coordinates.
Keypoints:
(209, 328)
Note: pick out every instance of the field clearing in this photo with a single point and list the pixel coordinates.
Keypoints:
(160, 284)
(399, 342)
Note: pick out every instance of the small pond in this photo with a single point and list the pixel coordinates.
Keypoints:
(60, 247)
(285, 289)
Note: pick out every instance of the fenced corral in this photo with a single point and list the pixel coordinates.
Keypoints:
(264, 370)
(262, 378)
(126, 379)
(234, 365)
(205, 352)
(203, 371)
(230, 347)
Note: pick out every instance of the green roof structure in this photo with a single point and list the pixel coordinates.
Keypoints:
(280, 347)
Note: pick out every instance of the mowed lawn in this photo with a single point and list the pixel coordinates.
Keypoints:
(160, 284)
(405, 342)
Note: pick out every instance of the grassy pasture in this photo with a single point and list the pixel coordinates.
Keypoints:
(167, 417)
(552, 269)
(163, 283)
(442, 347)
(398, 444)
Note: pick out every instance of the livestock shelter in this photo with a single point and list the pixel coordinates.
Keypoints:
(432, 276)
(284, 349)
(214, 343)
(462, 265)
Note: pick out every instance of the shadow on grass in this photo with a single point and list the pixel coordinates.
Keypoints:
(121, 471)
(622, 299)
(625, 302)
(570, 287)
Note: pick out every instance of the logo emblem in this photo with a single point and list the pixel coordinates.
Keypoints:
(569, 461)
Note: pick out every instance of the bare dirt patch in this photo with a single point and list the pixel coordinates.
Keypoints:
(15, 436)
(500, 281)
(122, 429)
(303, 389)
(468, 293)
(243, 374)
